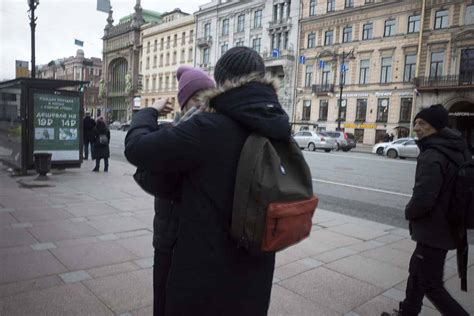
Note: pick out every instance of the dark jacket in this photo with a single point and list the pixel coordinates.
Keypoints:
(88, 128)
(101, 150)
(209, 275)
(434, 179)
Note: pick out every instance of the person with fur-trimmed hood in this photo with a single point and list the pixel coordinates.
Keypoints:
(209, 274)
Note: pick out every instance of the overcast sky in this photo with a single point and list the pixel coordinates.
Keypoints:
(59, 23)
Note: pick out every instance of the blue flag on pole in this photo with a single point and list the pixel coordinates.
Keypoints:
(78, 42)
(103, 6)
(302, 59)
(275, 53)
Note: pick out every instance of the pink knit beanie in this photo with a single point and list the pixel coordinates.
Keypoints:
(190, 81)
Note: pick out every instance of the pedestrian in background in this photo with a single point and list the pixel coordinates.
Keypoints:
(88, 135)
(101, 144)
(386, 138)
(392, 137)
(426, 212)
(192, 83)
(209, 275)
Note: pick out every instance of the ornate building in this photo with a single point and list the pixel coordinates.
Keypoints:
(268, 26)
(363, 59)
(77, 68)
(164, 47)
(121, 53)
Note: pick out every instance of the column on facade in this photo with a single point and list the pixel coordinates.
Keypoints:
(286, 10)
(273, 41)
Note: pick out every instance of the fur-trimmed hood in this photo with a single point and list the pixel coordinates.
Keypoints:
(253, 102)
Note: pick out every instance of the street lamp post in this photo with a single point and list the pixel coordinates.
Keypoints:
(344, 55)
(33, 4)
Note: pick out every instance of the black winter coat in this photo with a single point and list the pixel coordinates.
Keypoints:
(209, 275)
(101, 150)
(434, 181)
(88, 129)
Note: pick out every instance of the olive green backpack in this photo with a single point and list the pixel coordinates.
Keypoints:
(273, 198)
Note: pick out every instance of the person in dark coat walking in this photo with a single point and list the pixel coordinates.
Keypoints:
(88, 124)
(101, 144)
(426, 212)
(192, 83)
(209, 274)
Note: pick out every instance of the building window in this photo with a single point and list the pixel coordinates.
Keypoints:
(410, 65)
(154, 61)
(240, 23)
(328, 38)
(146, 103)
(312, 7)
(155, 47)
(389, 29)
(175, 58)
(367, 31)
(191, 36)
(168, 42)
(359, 135)
(240, 43)
(331, 5)
(225, 27)
(224, 48)
(190, 54)
(175, 40)
(147, 84)
(323, 110)
(183, 38)
(441, 19)
(183, 56)
(306, 110)
(148, 63)
(326, 77)
(349, 3)
(413, 23)
(386, 70)
(153, 84)
(347, 34)
(162, 44)
(167, 59)
(382, 110)
(207, 29)
(361, 110)
(257, 19)
(311, 40)
(148, 47)
(405, 110)
(167, 83)
(469, 16)
(364, 71)
(161, 60)
(160, 83)
(308, 76)
(205, 55)
(256, 44)
(436, 65)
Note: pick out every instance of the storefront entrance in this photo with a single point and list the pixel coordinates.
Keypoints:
(461, 117)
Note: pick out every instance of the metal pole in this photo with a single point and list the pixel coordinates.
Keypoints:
(417, 67)
(341, 87)
(33, 4)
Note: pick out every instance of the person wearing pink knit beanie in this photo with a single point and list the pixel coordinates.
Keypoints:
(191, 81)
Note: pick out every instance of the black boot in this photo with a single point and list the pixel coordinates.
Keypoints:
(395, 312)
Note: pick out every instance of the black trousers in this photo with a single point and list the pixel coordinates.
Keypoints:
(106, 163)
(161, 270)
(426, 278)
(87, 142)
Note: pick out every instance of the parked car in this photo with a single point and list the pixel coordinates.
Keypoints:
(313, 140)
(115, 125)
(379, 147)
(344, 141)
(406, 149)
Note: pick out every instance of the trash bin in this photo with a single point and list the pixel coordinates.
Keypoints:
(42, 164)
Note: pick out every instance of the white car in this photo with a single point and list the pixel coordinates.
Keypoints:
(313, 140)
(406, 149)
(379, 147)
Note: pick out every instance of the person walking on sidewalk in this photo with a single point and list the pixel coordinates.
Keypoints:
(426, 212)
(209, 275)
(101, 144)
(192, 83)
(88, 136)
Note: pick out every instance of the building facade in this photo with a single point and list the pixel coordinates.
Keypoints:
(368, 50)
(268, 26)
(121, 53)
(78, 68)
(165, 47)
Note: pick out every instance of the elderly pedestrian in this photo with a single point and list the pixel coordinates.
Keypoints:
(101, 144)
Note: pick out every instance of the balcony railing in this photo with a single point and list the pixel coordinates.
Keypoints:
(446, 82)
(323, 88)
(204, 41)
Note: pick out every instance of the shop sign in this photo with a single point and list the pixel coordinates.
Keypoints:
(461, 114)
(57, 125)
(364, 125)
(383, 94)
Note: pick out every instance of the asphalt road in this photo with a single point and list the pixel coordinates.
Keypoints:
(357, 184)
